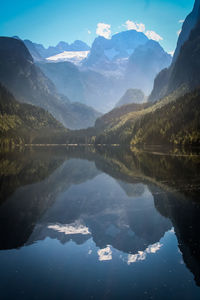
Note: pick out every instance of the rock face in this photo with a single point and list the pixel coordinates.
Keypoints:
(85, 86)
(189, 23)
(128, 60)
(184, 70)
(144, 64)
(33, 51)
(28, 84)
(106, 54)
(67, 79)
(131, 96)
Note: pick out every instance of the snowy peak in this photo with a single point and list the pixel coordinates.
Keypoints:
(75, 57)
(120, 46)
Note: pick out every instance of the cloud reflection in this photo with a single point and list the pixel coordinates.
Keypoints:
(105, 254)
(68, 229)
(141, 255)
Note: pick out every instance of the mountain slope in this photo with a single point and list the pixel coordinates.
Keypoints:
(28, 84)
(121, 45)
(33, 50)
(187, 66)
(184, 69)
(176, 123)
(67, 79)
(189, 23)
(173, 120)
(85, 86)
(184, 73)
(170, 121)
(144, 64)
(22, 123)
(131, 96)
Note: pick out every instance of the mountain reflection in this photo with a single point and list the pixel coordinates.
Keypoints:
(121, 199)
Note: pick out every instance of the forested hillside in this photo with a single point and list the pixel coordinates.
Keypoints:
(170, 121)
(22, 123)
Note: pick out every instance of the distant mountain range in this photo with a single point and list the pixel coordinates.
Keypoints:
(119, 68)
(82, 85)
(59, 48)
(28, 84)
(107, 54)
(175, 119)
(128, 60)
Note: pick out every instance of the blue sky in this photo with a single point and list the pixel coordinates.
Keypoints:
(50, 21)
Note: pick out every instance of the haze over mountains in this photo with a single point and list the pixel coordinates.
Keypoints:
(40, 52)
(175, 118)
(104, 72)
(118, 72)
(184, 70)
(28, 84)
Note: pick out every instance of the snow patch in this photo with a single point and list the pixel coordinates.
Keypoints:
(72, 56)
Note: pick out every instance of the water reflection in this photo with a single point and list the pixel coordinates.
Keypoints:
(101, 207)
(121, 200)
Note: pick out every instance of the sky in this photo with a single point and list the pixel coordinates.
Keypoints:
(51, 21)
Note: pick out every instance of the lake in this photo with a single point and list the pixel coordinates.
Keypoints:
(105, 223)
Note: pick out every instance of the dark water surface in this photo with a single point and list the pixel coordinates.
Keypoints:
(99, 224)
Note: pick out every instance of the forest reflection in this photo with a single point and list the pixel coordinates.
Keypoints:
(121, 198)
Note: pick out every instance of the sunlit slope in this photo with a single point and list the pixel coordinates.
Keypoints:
(23, 123)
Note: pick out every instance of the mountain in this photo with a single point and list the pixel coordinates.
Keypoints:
(109, 54)
(183, 72)
(67, 79)
(22, 123)
(189, 23)
(128, 60)
(131, 96)
(28, 84)
(174, 121)
(117, 117)
(75, 57)
(144, 64)
(79, 46)
(33, 51)
(82, 85)
(54, 50)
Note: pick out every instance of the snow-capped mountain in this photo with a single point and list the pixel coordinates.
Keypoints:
(74, 57)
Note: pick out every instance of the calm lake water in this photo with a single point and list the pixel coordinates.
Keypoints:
(99, 224)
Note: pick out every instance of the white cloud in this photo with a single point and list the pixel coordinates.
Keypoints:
(152, 35)
(89, 32)
(130, 25)
(103, 30)
(179, 32)
(181, 21)
(140, 27)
